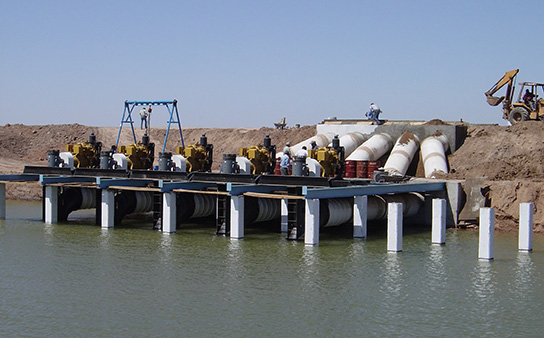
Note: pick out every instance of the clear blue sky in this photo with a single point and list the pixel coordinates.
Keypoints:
(249, 63)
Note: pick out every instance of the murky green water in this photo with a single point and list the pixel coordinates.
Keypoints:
(76, 280)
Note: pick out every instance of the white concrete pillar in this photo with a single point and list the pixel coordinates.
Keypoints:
(237, 217)
(439, 222)
(284, 216)
(169, 210)
(311, 225)
(108, 208)
(394, 227)
(526, 226)
(487, 234)
(360, 205)
(51, 204)
(2, 200)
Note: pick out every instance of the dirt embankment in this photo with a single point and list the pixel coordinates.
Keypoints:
(512, 158)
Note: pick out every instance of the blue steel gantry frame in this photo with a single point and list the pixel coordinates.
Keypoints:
(172, 107)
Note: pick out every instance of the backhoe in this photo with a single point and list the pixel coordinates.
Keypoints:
(528, 105)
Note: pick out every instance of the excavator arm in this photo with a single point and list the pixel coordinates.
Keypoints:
(507, 79)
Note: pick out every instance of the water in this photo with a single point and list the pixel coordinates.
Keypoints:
(77, 280)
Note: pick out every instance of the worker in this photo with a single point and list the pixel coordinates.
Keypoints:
(302, 152)
(285, 160)
(143, 116)
(287, 147)
(528, 98)
(313, 145)
(374, 113)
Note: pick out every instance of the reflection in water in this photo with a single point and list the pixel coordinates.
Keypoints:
(392, 277)
(235, 268)
(165, 248)
(436, 270)
(308, 267)
(524, 273)
(105, 236)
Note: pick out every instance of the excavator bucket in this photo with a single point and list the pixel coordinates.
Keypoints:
(507, 79)
(493, 100)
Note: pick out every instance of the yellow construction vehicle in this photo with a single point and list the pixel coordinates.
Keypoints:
(527, 106)
(199, 156)
(86, 154)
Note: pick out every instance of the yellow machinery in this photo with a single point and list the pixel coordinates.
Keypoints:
(261, 157)
(140, 155)
(199, 156)
(331, 159)
(523, 108)
(86, 154)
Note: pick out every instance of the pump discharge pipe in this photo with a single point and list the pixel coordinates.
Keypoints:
(372, 149)
(433, 152)
(402, 154)
(350, 142)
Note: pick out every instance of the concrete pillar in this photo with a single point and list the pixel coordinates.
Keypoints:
(394, 227)
(2, 200)
(311, 226)
(51, 204)
(360, 204)
(108, 208)
(439, 222)
(526, 226)
(237, 217)
(169, 212)
(487, 235)
(284, 216)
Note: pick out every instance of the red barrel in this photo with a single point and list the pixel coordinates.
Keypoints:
(372, 165)
(350, 169)
(362, 169)
(277, 167)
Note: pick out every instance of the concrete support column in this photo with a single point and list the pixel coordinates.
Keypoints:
(2, 200)
(360, 205)
(169, 210)
(439, 222)
(51, 204)
(237, 213)
(526, 226)
(487, 236)
(394, 227)
(284, 216)
(108, 208)
(311, 226)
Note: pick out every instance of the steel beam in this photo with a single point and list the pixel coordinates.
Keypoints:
(104, 183)
(65, 179)
(235, 190)
(169, 186)
(374, 189)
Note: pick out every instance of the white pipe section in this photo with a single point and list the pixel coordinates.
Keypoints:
(411, 202)
(350, 142)
(244, 164)
(313, 167)
(67, 160)
(269, 209)
(179, 161)
(321, 140)
(88, 200)
(120, 161)
(340, 211)
(144, 202)
(372, 149)
(377, 208)
(204, 205)
(402, 154)
(433, 152)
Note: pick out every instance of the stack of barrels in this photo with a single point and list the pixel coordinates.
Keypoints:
(361, 169)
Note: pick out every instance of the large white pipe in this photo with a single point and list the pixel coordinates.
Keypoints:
(313, 167)
(321, 140)
(402, 154)
(433, 152)
(372, 149)
(377, 205)
(350, 142)
(340, 211)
